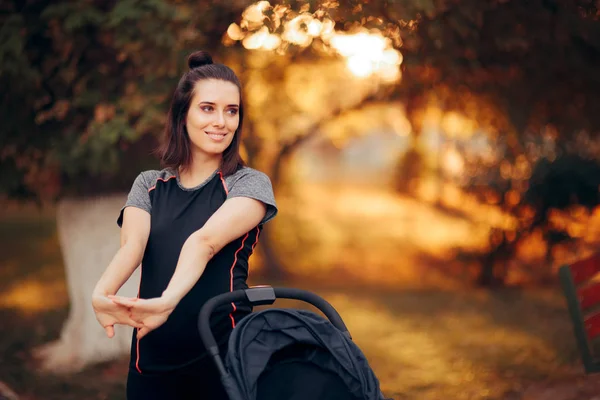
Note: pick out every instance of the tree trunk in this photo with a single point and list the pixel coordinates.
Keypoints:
(89, 239)
(490, 275)
(487, 277)
(410, 165)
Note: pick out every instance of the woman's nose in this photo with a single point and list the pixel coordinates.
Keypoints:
(219, 119)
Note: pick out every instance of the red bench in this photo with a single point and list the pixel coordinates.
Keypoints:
(583, 301)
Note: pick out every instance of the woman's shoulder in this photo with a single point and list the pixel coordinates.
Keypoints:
(149, 177)
(246, 173)
(250, 182)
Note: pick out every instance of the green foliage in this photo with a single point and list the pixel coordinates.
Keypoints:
(13, 60)
(75, 16)
(83, 81)
(94, 152)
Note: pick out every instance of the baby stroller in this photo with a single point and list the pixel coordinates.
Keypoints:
(280, 353)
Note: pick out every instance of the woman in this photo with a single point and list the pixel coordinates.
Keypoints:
(193, 226)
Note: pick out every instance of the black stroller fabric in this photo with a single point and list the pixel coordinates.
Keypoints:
(296, 354)
(294, 373)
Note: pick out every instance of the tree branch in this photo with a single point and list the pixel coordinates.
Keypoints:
(289, 147)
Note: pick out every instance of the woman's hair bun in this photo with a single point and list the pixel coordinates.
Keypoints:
(198, 59)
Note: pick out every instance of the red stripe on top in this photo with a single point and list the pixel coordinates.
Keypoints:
(137, 346)
(160, 179)
(137, 360)
(234, 308)
(231, 272)
(255, 240)
(223, 182)
(231, 278)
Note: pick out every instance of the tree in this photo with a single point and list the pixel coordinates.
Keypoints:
(517, 70)
(552, 84)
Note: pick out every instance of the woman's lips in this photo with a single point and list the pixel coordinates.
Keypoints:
(217, 137)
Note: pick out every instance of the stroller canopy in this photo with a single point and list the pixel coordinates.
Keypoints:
(265, 339)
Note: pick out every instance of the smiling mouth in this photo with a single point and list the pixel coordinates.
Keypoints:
(216, 135)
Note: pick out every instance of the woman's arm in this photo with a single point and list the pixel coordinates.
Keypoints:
(233, 219)
(134, 237)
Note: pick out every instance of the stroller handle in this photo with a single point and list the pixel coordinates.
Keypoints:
(261, 295)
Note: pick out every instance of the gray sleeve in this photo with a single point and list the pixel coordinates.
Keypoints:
(138, 197)
(255, 185)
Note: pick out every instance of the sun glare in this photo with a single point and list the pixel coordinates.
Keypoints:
(367, 53)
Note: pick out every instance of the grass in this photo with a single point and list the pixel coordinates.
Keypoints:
(422, 343)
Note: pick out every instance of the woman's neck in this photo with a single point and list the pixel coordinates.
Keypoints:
(199, 170)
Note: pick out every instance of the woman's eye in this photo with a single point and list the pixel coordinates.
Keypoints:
(206, 108)
(232, 111)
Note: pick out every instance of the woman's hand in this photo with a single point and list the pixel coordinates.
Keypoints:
(150, 313)
(108, 313)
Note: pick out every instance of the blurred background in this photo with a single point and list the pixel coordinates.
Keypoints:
(434, 163)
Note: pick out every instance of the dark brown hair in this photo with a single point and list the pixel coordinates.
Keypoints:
(175, 151)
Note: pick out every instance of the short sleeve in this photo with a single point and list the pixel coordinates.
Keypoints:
(138, 197)
(254, 184)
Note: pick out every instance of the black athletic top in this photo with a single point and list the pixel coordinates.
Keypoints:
(177, 212)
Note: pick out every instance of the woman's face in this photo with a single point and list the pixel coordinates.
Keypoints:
(213, 116)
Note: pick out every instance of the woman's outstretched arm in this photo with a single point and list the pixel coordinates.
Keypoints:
(134, 237)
